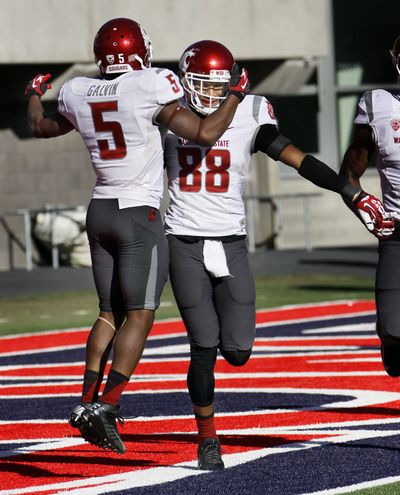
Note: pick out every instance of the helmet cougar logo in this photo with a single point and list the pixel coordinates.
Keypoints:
(110, 59)
(185, 59)
(205, 70)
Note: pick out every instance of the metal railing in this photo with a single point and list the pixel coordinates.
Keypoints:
(276, 201)
(27, 246)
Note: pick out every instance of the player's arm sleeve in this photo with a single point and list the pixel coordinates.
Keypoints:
(270, 141)
(323, 176)
(267, 138)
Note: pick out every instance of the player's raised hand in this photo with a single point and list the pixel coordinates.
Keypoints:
(372, 213)
(239, 84)
(38, 85)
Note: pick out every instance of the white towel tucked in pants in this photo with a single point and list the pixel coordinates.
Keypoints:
(215, 259)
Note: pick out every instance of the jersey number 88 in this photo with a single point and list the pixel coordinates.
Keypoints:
(217, 163)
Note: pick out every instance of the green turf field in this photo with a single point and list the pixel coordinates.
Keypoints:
(75, 309)
(393, 489)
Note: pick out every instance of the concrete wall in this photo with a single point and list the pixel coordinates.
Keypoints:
(35, 173)
(35, 31)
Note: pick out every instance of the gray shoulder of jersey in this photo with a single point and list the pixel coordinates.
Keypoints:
(159, 70)
(376, 98)
(256, 105)
(249, 109)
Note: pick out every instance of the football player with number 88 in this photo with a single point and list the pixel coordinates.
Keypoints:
(206, 228)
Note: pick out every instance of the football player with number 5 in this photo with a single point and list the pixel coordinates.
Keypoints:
(206, 231)
(123, 116)
(377, 133)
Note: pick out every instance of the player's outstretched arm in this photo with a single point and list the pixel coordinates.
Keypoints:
(43, 126)
(367, 207)
(206, 131)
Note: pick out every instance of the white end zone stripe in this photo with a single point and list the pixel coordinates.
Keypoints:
(160, 475)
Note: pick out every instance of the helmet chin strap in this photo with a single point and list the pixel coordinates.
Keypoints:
(139, 59)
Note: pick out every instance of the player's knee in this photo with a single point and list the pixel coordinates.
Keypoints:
(236, 358)
(200, 378)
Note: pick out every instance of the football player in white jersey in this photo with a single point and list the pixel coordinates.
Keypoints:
(377, 132)
(123, 116)
(206, 230)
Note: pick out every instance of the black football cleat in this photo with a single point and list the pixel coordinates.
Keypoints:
(76, 420)
(75, 416)
(209, 455)
(99, 426)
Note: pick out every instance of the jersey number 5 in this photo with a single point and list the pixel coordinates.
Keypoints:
(216, 177)
(100, 125)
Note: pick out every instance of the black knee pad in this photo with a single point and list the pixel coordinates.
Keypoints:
(236, 358)
(200, 377)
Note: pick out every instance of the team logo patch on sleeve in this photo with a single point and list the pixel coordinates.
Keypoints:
(395, 123)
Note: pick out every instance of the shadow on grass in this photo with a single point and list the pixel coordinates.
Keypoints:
(333, 262)
(334, 288)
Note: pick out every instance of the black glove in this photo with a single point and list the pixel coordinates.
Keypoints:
(239, 84)
(38, 85)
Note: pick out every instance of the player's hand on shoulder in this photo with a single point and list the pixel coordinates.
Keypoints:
(374, 216)
(239, 84)
(38, 85)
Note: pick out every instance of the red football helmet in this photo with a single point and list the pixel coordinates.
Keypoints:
(121, 45)
(395, 54)
(206, 64)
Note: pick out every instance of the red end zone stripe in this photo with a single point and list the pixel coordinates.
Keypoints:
(362, 382)
(319, 310)
(79, 336)
(37, 430)
(325, 361)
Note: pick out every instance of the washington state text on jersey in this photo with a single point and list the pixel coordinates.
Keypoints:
(222, 143)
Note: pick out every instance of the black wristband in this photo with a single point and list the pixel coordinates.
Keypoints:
(321, 175)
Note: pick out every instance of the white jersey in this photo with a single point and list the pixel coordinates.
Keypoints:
(206, 185)
(116, 119)
(381, 110)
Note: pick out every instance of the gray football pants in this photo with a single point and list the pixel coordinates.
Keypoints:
(387, 287)
(217, 312)
(129, 254)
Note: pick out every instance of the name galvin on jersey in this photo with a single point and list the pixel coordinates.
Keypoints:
(102, 89)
